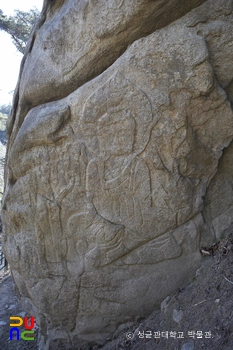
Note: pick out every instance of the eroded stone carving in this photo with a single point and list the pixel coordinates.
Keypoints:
(118, 180)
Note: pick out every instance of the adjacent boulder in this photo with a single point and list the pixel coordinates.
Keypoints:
(3, 142)
(111, 164)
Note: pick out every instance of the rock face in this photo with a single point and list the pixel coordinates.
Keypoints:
(115, 160)
(3, 141)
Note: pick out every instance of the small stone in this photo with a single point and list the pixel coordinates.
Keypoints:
(11, 307)
(177, 315)
(217, 301)
(198, 272)
(164, 304)
(188, 346)
(2, 323)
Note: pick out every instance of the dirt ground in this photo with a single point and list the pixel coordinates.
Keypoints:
(198, 316)
(9, 306)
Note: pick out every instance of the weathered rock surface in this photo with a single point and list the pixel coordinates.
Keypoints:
(3, 141)
(76, 40)
(106, 181)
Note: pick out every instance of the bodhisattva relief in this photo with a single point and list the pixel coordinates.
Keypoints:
(118, 119)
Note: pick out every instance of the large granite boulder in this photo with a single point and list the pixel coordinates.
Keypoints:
(115, 160)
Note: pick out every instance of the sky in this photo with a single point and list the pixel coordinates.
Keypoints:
(10, 58)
